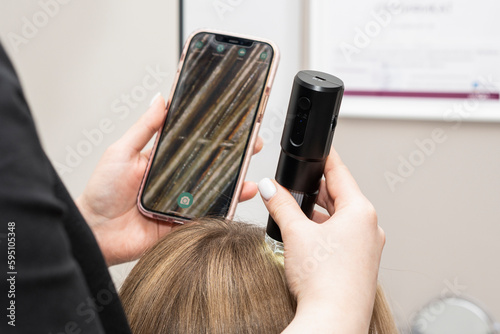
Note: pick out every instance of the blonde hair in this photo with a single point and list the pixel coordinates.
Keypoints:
(216, 276)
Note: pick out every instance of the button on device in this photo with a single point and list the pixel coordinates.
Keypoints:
(334, 123)
(300, 123)
(299, 128)
(264, 104)
(304, 103)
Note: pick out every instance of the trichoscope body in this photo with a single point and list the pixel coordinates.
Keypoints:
(307, 137)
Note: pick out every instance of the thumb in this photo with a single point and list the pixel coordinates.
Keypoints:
(281, 205)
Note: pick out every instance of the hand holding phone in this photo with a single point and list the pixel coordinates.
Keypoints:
(202, 153)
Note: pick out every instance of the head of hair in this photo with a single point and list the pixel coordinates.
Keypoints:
(215, 276)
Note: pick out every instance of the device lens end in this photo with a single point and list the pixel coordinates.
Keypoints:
(276, 246)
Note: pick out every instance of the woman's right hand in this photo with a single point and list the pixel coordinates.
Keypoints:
(331, 261)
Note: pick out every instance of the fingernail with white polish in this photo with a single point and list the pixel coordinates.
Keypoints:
(266, 189)
(157, 95)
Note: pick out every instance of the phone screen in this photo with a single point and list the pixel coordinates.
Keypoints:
(203, 142)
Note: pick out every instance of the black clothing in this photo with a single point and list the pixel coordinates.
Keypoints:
(60, 282)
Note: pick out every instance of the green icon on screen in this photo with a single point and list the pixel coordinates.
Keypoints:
(220, 48)
(242, 52)
(263, 55)
(185, 200)
(198, 45)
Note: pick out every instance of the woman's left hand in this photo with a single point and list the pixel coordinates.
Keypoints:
(109, 201)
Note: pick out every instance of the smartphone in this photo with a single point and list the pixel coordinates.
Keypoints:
(201, 154)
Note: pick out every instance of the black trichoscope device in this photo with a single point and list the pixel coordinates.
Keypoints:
(307, 137)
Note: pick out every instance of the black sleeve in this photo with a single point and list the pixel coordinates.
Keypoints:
(56, 280)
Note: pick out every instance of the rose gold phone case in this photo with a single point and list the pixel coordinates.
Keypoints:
(253, 134)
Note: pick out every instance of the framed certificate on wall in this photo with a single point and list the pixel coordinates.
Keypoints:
(410, 59)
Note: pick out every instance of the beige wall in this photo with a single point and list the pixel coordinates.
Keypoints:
(442, 222)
